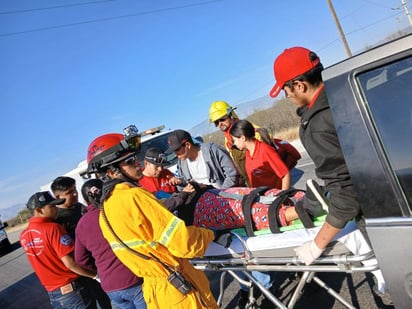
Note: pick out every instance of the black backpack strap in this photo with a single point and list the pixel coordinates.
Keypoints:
(273, 211)
(304, 216)
(247, 204)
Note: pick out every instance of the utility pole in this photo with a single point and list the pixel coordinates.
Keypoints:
(405, 7)
(342, 35)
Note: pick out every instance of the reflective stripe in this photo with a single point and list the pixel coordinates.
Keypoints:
(134, 244)
(169, 231)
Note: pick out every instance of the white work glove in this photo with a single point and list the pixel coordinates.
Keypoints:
(308, 252)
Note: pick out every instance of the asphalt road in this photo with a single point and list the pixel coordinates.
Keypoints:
(20, 288)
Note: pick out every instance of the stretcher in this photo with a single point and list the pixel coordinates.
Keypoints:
(348, 253)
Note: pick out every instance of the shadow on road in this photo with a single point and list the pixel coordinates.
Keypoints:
(26, 293)
(14, 246)
(296, 175)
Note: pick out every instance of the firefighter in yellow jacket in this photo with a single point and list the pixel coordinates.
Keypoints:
(143, 234)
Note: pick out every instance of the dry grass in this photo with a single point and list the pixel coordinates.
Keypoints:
(18, 227)
(289, 134)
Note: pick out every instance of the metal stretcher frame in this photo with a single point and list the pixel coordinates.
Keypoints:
(335, 259)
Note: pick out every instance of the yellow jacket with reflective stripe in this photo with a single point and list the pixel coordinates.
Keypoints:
(144, 225)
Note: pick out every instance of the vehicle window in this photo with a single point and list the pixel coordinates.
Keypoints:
(159, 142)
(388, 93)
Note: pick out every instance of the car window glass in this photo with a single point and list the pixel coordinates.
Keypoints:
(160, 142)
(388, 94)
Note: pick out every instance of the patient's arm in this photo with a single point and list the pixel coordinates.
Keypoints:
(175, 200)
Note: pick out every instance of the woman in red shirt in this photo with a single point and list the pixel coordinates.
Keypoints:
(264, 167)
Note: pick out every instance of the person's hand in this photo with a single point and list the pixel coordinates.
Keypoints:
(189, 188)
(308, 252)
(173, 181)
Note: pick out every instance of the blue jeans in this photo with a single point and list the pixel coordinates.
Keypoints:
(264, 278)
(79, 298)
(129, 298)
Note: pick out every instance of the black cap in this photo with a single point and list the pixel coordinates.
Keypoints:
(41, 199)
(176, 139)
(155, 156)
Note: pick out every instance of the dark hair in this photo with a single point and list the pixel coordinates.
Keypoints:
(265, 136)
(62, 183)
(242, 127)
(92, 191)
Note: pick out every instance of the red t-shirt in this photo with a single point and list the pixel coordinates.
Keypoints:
(45, 243)
(155, 184)
(265, 167)
(228, 139)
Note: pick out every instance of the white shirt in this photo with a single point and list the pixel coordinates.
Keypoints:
(198, 169)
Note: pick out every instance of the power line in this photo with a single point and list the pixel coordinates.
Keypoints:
(54, 7)
(98, 20)
(359, 29)
(372, 24)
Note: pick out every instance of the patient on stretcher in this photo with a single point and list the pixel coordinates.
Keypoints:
(275, 218)
(256, 209)
(225, 210)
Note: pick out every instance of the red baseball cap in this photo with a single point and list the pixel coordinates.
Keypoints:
(291, 63)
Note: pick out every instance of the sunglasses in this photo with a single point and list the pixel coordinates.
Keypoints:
(160, 159)
(220, 120)
(131, 160)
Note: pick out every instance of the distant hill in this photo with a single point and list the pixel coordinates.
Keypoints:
(11, 212)
(242, 110)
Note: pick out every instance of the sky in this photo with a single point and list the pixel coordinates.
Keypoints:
(72, 70)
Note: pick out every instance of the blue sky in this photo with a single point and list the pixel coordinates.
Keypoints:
(73, 70)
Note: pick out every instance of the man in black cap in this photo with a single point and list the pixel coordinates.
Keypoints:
(205, 163)
(50, 252)
(156, 178)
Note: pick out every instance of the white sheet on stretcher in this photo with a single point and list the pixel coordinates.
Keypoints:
(282, 244)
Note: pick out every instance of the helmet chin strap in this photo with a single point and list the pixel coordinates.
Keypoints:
(128, 179)
(121, 175)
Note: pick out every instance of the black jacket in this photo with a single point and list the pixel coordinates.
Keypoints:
(69, 217)
(318, 135)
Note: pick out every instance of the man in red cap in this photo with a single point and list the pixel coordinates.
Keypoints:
(298, 73)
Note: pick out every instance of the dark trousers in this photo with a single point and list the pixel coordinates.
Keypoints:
(97, 294)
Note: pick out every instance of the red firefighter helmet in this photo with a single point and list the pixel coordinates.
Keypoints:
(103, 143)
(108, 149)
